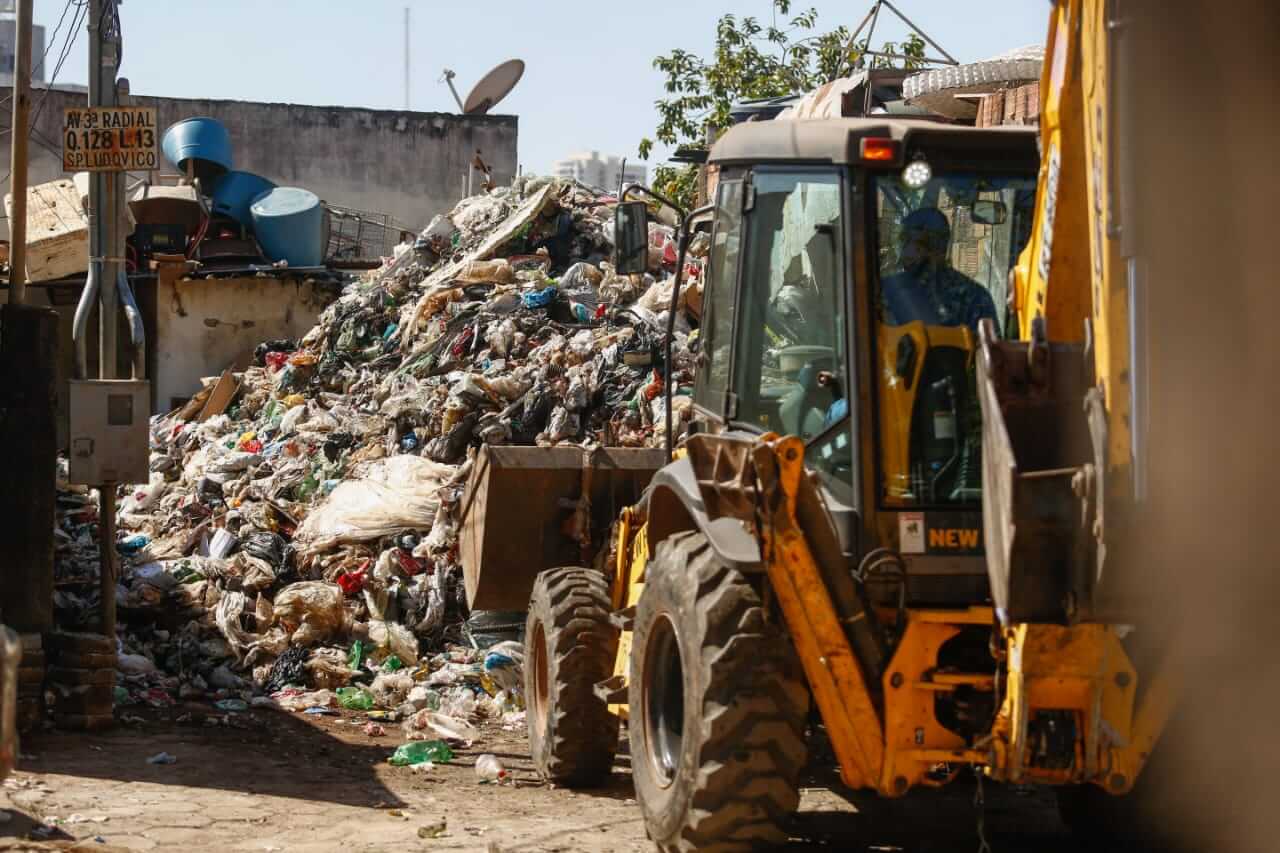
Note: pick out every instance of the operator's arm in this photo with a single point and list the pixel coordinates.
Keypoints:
(981, 307)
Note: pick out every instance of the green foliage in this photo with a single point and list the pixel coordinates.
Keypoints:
(756, 60)
(678, 183)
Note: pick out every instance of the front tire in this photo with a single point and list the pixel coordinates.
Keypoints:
(717, 708)
(570, 645)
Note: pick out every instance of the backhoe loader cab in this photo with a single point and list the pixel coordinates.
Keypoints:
(852, 261)
(818, 539)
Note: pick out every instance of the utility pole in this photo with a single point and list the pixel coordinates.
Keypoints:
(106, 252)
(104, 231)
(406, 57)
(20, 131)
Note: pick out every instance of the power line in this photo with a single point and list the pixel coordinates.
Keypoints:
(54, 35)
(68, 43)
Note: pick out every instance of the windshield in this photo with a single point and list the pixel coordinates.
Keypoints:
(943, 255)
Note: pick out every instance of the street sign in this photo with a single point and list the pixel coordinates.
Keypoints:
(110, 139)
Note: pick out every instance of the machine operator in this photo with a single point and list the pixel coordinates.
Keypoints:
(928, 288)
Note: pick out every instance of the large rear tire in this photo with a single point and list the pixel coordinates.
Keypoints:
(570, 645)
(717, 708)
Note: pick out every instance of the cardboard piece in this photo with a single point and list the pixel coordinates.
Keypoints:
(224, 391)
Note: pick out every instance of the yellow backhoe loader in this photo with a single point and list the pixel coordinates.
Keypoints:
(884, 508)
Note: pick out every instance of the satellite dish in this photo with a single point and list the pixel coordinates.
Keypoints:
(493, 87)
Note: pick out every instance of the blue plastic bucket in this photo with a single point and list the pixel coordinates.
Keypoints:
(289, 224)
(203, 140)
(234, 192)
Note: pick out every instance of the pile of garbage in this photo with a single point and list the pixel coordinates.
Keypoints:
(297, 541)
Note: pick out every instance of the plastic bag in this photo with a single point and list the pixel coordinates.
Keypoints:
(289, 668)
(227, 617)
(397, 638)
(422, 696)
(145, 499)
(292, 701)
(255, 574)
(389, 689)
(504, 665)
(459, 703)
(328, 668)
(269, 547)
(292, 419)
(397, 493)
(427, 724)
(311, 610)
(355, 698)
(482, 272)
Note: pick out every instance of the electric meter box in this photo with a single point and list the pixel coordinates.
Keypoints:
(110, 436)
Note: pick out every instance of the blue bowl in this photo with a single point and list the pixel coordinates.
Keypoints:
(289, 224)
(202, 140)
(234, 192)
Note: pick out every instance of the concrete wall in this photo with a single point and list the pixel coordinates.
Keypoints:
(181, 348)
(247, 312)
(407, 164)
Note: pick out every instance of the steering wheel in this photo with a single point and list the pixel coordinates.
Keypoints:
(803, 410)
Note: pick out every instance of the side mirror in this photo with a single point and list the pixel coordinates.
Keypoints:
(989, 212)
(631, 237)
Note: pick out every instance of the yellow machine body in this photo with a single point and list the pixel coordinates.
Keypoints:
(1071, 684)
(898, 394)
(887, 736)
(1071, 273)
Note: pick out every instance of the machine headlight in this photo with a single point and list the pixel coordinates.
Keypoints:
(918, 173)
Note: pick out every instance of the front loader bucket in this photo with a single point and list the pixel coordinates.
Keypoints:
(523, 512)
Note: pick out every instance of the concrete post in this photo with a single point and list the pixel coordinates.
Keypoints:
(28, 435)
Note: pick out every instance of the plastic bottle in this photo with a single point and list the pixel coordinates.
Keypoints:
(490, 769)
(355, 698)
(420, 752)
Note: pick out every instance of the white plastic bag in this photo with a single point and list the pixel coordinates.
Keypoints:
(311, 611)
(427, 725)
(395, 637)
(396, 494)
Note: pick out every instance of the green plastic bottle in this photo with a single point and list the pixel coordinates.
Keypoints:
(354, 698)
(420, 752)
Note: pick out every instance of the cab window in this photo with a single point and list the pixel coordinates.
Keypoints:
(944, 252)
(789, 363)
(716, 330)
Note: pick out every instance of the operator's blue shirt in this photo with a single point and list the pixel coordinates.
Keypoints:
(938, 297)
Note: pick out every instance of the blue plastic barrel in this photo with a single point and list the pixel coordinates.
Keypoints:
(234, 192)
(203, 140)
(289, 223)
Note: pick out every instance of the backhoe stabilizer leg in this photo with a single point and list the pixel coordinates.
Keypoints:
(1151, 717)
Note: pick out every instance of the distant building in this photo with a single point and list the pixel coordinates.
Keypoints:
(9, 45)
(596, 171)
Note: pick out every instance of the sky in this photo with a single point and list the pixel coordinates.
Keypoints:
(589, 82)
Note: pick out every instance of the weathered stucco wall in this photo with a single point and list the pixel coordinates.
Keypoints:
(407, 164)
(204, 326)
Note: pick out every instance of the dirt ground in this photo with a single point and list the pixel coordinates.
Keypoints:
(276, 781)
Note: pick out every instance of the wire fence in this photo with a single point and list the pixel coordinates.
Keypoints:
(363, 236)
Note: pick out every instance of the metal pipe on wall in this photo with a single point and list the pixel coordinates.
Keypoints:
(80, 326)
(137, 332)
